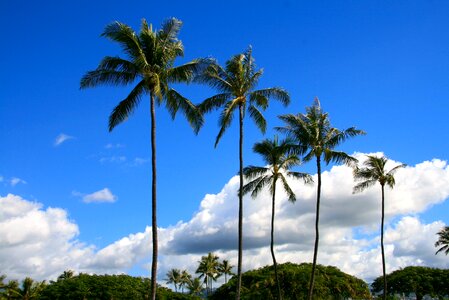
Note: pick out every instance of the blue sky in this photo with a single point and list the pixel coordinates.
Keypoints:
(377, 65)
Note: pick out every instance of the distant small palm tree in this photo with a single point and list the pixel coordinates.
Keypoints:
(208, 268)
(174, 277)
(236, 85)
(225, 268)
(280, 158)
(443, 240)
(195, 286)
(373, 172)
(185, 278)
(66, 275)
(29, 289)
(318, 139)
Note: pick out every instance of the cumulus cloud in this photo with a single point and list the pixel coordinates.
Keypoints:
(104, 195)
(61, 138)
(349, 229)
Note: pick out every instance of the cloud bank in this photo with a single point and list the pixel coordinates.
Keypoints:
(46, 238)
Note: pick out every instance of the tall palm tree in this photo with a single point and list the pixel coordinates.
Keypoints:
(443, 240)
(174, 276)
(149, 61)
(225, 268)
(208, 268)
(317, 140)
(373, 172)
(280, 158)
(236, 83)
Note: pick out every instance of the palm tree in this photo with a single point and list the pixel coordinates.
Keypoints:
(280, 158)
(174, 276)
(185, 278)
(443, 240)
(149, 61)
(372, 172)
(29, 290)
(317, 139)
(236, 84)
(225, 268)
(208, 268)
(195, 286)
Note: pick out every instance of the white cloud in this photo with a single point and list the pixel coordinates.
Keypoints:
(113, 159)
(113, 146)
(14, 181)
(1, 178)
(104, 195)
(61, 138)
(349, 229)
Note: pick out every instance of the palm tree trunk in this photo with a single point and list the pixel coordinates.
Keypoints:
(273, 206)
(239, 264)
(317, 233)
(384, 296)
(153, 198)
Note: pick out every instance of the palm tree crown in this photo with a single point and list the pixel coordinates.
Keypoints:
(280, 158)
(315, 135)
(150, 57)
(443, 240)
(374, 171)
(174, 276)
(209, 269)
(236, 83)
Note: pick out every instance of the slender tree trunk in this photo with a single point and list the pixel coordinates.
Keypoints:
(153, 198)
(273, 206)
(239, 264)
(384, 296)
(317, 233)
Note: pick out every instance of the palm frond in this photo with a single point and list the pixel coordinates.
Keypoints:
(258, 118)
(126, 37)
(126, 106)
(187, 72)
(214, 102)
(226, 118)
(291, 195)
(306, 178)
(339, 157)
(360, 187)
(106, 77)
(251, 172)
(274, 93)
(175, 101)
(170, 30)
(215, 77)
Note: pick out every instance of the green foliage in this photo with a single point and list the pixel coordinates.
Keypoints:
(105, 287)
(419, 280)
(330, 283)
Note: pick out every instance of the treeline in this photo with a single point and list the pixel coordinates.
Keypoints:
(330, 283)
(420, 281)
(84, 287)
